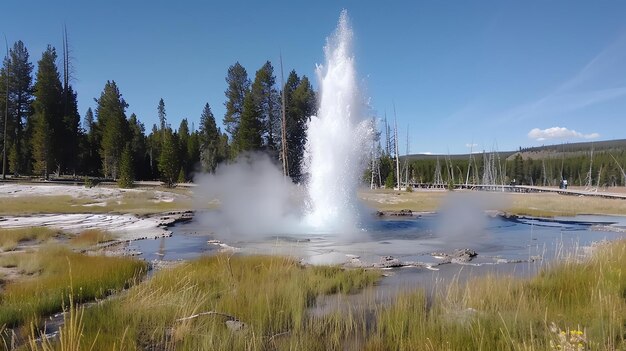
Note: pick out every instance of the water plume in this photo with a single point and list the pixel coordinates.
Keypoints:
(337, 139)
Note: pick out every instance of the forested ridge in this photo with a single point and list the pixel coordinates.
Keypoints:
(592, 164)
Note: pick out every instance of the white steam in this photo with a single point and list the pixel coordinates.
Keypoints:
(253, 198)
(462, 220)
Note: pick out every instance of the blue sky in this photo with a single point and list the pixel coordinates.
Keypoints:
(492, 74)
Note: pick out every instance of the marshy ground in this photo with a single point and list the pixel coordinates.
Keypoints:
(232, 301)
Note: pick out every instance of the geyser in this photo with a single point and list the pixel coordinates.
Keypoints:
(256, 201)
(337, 139)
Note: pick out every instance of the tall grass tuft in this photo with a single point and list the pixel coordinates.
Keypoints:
(10, 238)
(43, 293)
(91, 237)
(585, 301)
(263, 303)
(259, 296)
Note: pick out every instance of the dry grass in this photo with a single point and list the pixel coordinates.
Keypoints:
(569, 306)
(389, 200)
(53, 272)
(533, 204)
(549, 204)
(137, 202)
(91, 237)
(11, 238)
(269, 294)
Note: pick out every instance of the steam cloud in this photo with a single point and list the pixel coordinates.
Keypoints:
(462, 220)
(253, 197)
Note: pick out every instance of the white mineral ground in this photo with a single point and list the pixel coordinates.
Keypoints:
(124, 226)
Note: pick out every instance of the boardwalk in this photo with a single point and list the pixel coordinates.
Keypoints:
(539, 189)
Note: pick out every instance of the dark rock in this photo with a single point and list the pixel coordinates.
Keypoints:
(400, 213)
(458, 256)
(389, 262)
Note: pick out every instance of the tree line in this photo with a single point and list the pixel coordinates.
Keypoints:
(43, 135)
(603, 168)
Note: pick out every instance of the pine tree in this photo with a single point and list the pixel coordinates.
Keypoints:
(267, 102)
(238, 87)
(153, 151)
(91, 144)
(162, 115)
(113, 128)
(193, 150)
(300, 104)
(4, 115)
(138, 147)
(20, 99)
(183, 139)
(209, 141)
(68, 146)
(223, 148)
(47, 117)
(127, 177)
(248, 136)
(42, 145)
(168, 160)
(70, 132)
(181, 176)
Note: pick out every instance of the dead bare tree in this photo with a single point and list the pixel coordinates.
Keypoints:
(6, 114)
(284, 122)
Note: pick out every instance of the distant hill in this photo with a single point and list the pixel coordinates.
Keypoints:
(539, 152)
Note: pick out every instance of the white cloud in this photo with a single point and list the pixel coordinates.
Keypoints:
(471, 145)
(559, 133)
(425, 153)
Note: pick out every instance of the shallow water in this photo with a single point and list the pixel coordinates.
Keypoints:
(409, 239)
(518, 246)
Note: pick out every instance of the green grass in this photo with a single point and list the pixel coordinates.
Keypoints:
(569, 305)
(503, 313)
(269, 294)
(11, 238)
(54, 273)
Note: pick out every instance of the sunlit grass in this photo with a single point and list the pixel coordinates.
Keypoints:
(11, 238)
(47, 287)
(530, 204)
(132, 201)
(549, 205)
(91, 237)
(269, 294)
(504, 313)
(569, 304)
(390, 200)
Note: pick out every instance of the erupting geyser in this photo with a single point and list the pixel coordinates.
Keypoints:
(254, 198)
(337, 143)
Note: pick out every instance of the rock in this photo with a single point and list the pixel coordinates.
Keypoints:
(355, 262)
(400, 213)
(459, 256)
(388, 262)
(463, 255)
(235, 326)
